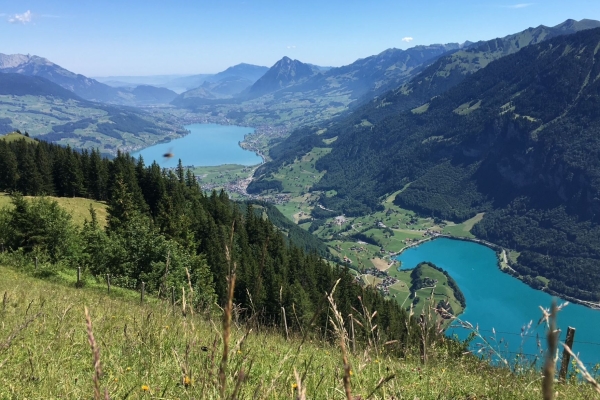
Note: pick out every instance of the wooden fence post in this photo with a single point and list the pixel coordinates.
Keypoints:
(36, 263)
(108, 282)
(352, 331)
(173, 298)
(142, 292)
(285, 324)
(78, 276)
(566, 357)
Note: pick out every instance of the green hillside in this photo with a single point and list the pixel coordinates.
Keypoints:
(152, 350)
(451, 69)
(13, 136)
(517, 140)
(49, 112)
(77, 207)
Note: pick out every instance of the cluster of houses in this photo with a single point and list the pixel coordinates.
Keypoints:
(387, 281)
(358, 249)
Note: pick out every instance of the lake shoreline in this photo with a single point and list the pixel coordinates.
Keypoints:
(499, 250)
(205, 145)
(504, 309)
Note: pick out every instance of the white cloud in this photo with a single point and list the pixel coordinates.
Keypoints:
(520, 5)
(291, 47)
(20, 18)
(407, 39)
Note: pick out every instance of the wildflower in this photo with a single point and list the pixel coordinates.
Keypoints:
(116, 379)
(351, 373)
(187, 381)
(294, 386)
(145, 388)
(128, 369)
(239, 352)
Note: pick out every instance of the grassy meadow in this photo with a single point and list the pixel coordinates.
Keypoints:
(14, 136)
(152, 350)
(78, 207)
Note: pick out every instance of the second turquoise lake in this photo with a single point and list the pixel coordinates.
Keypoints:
(497, 301)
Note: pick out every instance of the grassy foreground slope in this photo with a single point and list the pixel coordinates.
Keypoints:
(151, 351)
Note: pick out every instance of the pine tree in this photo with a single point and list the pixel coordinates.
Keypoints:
(44, 165)
(9, 168)
(121, 207)
(180, 171)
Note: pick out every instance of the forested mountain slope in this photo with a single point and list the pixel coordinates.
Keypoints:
(518, 139)
(163, 230)
(449, 70)
(421, 82)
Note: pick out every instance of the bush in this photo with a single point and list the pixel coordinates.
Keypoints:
(41, 226)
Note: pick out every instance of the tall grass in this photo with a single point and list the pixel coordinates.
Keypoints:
(123, 349)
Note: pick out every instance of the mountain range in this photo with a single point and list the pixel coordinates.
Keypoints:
(517, 139)
(82, 86)
(50, 112)
(411, 76)
(290, 82)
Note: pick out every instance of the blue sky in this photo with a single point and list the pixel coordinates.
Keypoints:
(131, 37)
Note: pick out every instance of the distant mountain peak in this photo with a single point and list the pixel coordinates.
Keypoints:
(283, 73)
(572, 25)
(18, 60)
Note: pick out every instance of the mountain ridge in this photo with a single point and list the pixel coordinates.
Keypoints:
(515, 139)
(84, 87)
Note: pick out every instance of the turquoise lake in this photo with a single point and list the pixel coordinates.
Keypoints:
(498, 301)
(206, 145)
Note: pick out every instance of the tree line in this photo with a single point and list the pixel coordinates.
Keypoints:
(162, 229)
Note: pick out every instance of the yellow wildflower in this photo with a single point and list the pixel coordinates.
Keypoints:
(351, 373)
(145, 388)
(294, 386)
(187, 381)
(239, 352)
(128, 368)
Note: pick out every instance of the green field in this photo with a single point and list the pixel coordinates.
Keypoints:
(462, 229)
(78, 207)
(14, 136)
(441, 291)
(301, 175)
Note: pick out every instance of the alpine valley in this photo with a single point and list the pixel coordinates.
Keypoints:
(273, 266)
